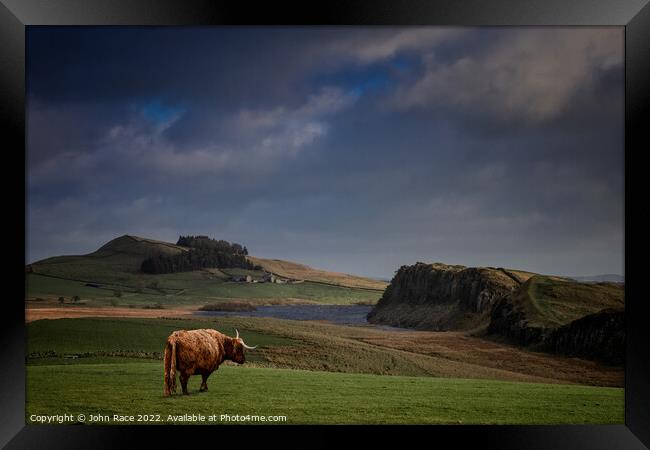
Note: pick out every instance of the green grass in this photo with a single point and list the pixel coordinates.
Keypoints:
(553, 302)
(236, 272)
(291, 344)
(118, 371)
(188, 288)
(282, 343)
(316, 397)
(102, 336)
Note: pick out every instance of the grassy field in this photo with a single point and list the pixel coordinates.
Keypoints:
(307, 397)
(312, 373)
(184, 289)
(553, 302)
(309, 371)
(317, 346)
(124, 336)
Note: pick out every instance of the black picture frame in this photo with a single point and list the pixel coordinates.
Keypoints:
(634, 15)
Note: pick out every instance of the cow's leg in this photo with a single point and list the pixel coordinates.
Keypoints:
(184, 377)
(204, 384)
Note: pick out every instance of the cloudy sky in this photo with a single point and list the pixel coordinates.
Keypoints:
(351, 149)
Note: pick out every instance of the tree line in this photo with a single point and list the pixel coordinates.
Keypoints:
(206, 242)
(203, 253)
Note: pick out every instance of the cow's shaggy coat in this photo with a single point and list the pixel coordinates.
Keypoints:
(198, 352)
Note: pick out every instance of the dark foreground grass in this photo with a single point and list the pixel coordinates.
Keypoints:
(306, 397)
(87, 335)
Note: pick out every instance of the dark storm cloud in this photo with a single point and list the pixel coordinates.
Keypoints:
(353, 149)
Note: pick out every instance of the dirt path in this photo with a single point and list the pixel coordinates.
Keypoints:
(32, 314)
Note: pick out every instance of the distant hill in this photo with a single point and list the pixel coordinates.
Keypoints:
(550, 313)
(610, 278)
(122, 254)
(120, 260)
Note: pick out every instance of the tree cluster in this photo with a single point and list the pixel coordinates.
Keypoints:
(203, 253)
(214, 244)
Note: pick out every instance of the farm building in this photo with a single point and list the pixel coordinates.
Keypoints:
(268, 278)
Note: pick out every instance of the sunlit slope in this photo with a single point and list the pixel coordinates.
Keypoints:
(298, 271)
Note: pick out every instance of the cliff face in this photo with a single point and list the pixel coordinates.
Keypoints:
(598, 336)
(564, 316)
(544, 313)
(442, 297)
(509, 320)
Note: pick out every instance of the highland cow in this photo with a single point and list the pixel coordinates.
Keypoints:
(199, 352)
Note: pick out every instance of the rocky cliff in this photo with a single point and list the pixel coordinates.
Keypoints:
(443, 297)
(544, 313)
(598, 336)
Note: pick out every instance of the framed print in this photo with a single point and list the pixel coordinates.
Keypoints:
(389, 220)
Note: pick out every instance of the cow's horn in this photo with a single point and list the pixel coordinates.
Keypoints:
(242, 341)
(246, 346)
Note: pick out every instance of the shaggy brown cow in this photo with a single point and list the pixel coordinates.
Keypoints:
(199, 352)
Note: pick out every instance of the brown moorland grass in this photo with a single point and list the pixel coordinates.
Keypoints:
(335, 348)
(297, 271)
(72, 312)
(422, 353)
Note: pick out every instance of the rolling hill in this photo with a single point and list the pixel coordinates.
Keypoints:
(551, 302)
(112, 275)
(122, 255)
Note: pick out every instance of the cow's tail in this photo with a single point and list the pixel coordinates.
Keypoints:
(170, 366)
